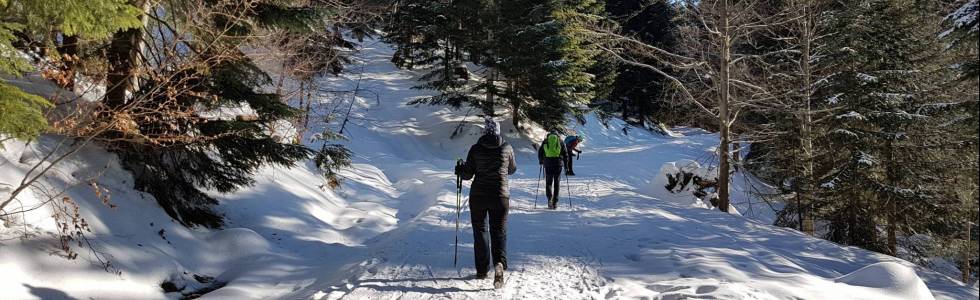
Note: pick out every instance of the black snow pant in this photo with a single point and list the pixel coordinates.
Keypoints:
(489, 245)
(552, 178)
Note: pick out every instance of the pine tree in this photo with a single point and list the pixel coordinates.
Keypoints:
(962, 33)
(531, 61)
(887, 141)
(561, 82)
(411, 29)
(957, 241)
(433, 35)
(21, 114)
(173, 150)
(788, 128)
(532, 58)
(95, 19)
(41, 20)
(639, 93)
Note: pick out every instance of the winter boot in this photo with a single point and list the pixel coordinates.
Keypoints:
(498, 276)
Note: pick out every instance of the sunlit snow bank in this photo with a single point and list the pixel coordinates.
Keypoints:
(145, 248)
(132, 246)
(889, 279)
(678, 181)
(880, 281)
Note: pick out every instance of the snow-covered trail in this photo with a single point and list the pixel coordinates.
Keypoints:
(388, 232)
(614, 248)
(618, 240)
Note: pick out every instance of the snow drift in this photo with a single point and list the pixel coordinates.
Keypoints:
(891, 279)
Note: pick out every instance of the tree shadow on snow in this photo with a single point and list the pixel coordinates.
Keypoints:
(48, 293)
(416, 285)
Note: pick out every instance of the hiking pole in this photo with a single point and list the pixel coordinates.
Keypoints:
(537, 186)
(459, 192)
(568, 188)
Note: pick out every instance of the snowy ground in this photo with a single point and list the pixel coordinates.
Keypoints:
(388, 233)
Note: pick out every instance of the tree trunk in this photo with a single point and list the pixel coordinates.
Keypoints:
(806, 136)
(799, 209)
(891, 209)
(966, 253)
(514, 114)
(123, 55)
(306, 102)
(447, 63)
(625, 110)
(723, 118)
(515, 105)
(723, 166)
(488, 108)
(892, 229)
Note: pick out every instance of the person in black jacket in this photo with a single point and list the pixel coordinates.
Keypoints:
(552, 155)
(488, 163)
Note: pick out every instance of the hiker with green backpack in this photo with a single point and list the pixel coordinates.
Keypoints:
(552, 156)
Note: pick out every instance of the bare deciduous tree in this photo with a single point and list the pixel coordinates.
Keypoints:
(717, 67)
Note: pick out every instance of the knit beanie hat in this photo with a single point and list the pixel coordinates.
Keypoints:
(491, 127)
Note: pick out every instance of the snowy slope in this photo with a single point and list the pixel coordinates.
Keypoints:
(388, 233)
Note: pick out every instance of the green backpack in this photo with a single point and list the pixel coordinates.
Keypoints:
(552, 146)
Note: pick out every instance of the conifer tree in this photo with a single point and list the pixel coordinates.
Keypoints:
(639, 94)
(886, 135)
(532, 58)
(563, 83)
(957, 242)
(165, 137)
(40, 21)
(788, 129)
(434, 35)
(21, 114)
(962, 32)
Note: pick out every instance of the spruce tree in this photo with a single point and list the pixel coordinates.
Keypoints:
(21, 114)
(888, 143)
(564, 84)
(962, 32)
(41, 21)
(433, 35)
(174, 151)
(532, 58)
(639, 94)
(788, 129)
(957, 240)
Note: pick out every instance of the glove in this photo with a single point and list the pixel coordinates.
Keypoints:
(458, 170)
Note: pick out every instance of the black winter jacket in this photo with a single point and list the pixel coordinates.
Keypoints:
(490, 160)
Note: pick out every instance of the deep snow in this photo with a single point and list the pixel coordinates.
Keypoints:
(388, 233)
